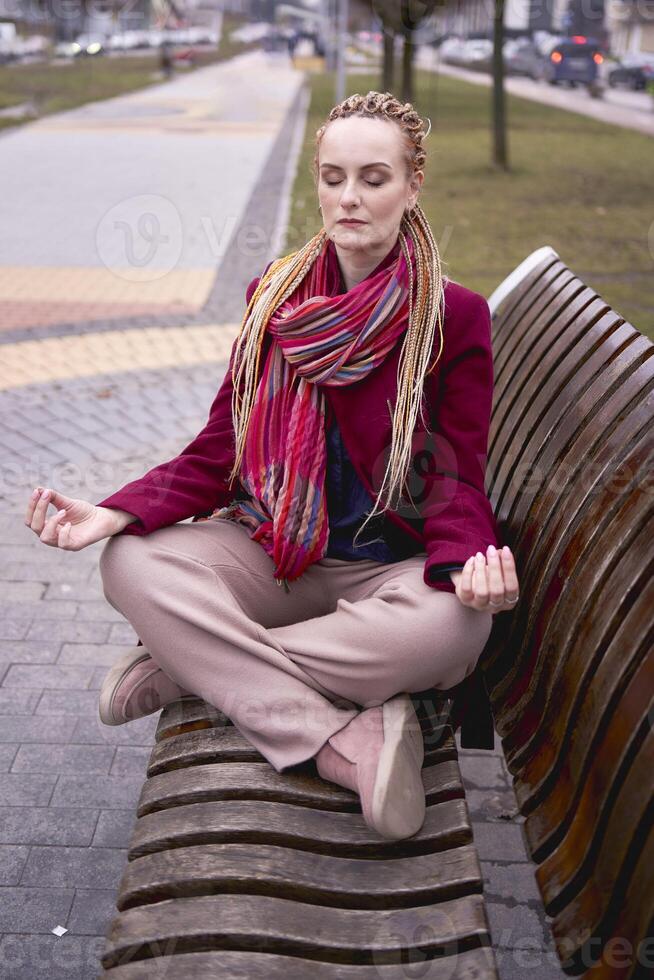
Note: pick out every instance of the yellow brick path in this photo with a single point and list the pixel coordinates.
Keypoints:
(58, 358)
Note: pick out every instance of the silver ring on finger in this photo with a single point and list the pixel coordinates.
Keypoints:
(513, 600)
(491, 603)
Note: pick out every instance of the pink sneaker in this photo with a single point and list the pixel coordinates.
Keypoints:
(135, 686)
(379, 755)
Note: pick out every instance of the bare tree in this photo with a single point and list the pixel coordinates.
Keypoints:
(500, 147)
(403, 18)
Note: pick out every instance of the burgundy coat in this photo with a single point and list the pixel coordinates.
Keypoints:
(452, 516)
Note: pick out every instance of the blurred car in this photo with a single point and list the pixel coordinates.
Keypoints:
(452, 50)
(573, 60)
(478, 53)
(522, 57)
(632, 71)
(84, 44)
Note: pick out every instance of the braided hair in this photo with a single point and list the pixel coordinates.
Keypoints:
(285, 275)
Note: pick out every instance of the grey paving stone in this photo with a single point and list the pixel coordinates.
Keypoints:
(38, 609)
(92, 911)
(37, 572)
(91, 654)
(34, 909)
(68, 703)
(25, 789)
(510, 881)
(79, 867)
(45, 956)
(485, 771)
(500, 842)
(493, 805)
(76, 759)
(535, 962)
(131, 760)
(21, 591)
(515, 925)
(99, 612)
(106, 792)
(91, 731)
(47, 825)
(14, 629)
(28, 550)
(52, 676)
(81, 592)
(122, 633)
(12, 862)
(7, 756)
(29, 651)
(71, 631)
(114, 828)
(17, 702)
(29, 728)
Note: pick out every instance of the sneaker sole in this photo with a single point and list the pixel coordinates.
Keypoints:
(116, 674)
(398, 800)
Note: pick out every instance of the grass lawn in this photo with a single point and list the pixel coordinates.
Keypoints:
(68, 84)
(582, 186)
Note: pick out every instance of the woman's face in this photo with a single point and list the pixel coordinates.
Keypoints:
(362, 175)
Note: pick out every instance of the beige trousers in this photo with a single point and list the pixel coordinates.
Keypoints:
(288, 669)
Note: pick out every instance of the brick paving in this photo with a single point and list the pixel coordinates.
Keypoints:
(76, 403)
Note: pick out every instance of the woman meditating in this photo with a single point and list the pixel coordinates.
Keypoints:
(343, 549)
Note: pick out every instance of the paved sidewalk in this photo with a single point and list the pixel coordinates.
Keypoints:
(81, 370)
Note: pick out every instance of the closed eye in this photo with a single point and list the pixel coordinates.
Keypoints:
(371, 183)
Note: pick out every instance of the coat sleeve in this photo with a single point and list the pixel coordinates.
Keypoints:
(458, 516)
(192, 483)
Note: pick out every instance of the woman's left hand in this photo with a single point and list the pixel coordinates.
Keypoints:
(488, 583)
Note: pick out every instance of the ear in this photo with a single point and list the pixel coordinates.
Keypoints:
(415, 184)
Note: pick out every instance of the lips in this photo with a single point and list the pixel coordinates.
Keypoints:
(349, 221)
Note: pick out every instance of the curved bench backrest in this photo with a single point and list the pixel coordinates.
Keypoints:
(570, 672)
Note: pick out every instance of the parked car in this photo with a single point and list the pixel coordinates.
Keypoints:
(632, 71)
(574, 61)
(84, 44)
(522, 57)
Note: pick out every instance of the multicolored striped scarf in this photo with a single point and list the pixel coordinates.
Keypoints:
(321, 336)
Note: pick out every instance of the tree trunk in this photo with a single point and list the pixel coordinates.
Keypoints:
(388, 62)
(407, 68)
(500, 149)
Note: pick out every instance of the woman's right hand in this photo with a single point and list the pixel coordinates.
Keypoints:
(75, 524)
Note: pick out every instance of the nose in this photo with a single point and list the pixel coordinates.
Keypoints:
(350, 197)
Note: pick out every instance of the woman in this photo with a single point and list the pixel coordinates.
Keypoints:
(349, 350)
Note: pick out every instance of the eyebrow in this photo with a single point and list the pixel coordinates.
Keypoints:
(366, 166)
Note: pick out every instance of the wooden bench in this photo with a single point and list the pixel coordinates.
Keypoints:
(237, 871)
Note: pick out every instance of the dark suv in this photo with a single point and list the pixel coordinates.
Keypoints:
(574, 60)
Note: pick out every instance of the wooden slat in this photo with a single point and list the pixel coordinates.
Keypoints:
(569, 672)
(446, 825)
(583, 704)
(260, 781)
(213, 745)
(543, 280)
(630, 928)
(315, 932)
(587, 563)
(318, 879)
(187, 715)
(615, 773)
(601, 526)
(471, 964)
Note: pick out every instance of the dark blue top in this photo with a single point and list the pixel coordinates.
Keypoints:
(348, 503)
